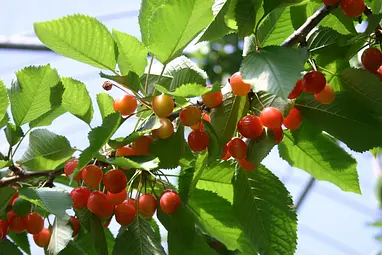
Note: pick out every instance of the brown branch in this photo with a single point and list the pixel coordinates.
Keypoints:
(25, 175)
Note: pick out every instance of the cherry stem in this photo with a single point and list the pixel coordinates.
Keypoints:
(160, 77)
(162, 174)
(257, 96)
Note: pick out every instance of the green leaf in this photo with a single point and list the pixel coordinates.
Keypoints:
(188, 90)
(13, 134)
(73, 248)
(264, 99)
(373, 22)
(132, 54)
(98, 234)
(269, 6)
(4, 121)
(186, 175)
(21, 240)
(128, 163)
(186, 76)
(31, 95)
(4, 101)
(5, 163)
(169, 33)
(182, 62)
(6, 193)
(338, 21)
(130, 81)
(267, 69)
(46, 151)
(260, 147)
(74, 36)
(137, 238)
(245, 13)
(110, 240)
(265, 210)
(148, 8)
(343, 112)
(215, 146)
(8, 248)
(61, 235)
(47, 118)
(105, 104)
(200, 166)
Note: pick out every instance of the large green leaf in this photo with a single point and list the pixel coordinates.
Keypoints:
(245, 14)
(344, 119)
(265, 210)
(187, 90)
(61, 235)
(21, 240)
(269, 6)
(6, 193)
(267, 69)
(13, 133)
(46, 151)
(126, 163)
(215, 145)
(98, 234)
(182, 62)
(8, 248)
(338, 21)
(174, 24)
(105, 104)
(132, 54)
(76, 99)
(47, 118)
(74, 36)
(32, 94)
(148, 8)
(73, 248)
(4, 102)
(138, 238)
(260, 147)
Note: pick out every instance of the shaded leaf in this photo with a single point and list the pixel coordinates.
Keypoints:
(4, 101)
(61, 235)
(21, 240)
(7, 248)
(6, 193)
(105, 104)
(245, 14)
(13, 134)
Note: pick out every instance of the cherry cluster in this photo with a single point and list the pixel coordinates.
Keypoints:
(372, 61)
(351, 8)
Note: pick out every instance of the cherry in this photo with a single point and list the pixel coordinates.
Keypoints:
(198, 140)
(165, 131)
(75, 225)
(141, 146)
(125, 213)
(237, 148)
(115, 181)
(372, 59)
(169, 201)
(42, 239)
(34, 223)
(125, 152)
(92, 175)
(3, 228)
(212, 99)
(278, 134)
(118, 198)
(80, 197)
(326, 96)
(163, 105)
(147, 205)
(226, 155)
(14, 197)
(271, 117)
(107, 85)
(126, 105)
(313, 82)
(293, 120)
(246, 165)
(330, 2)
(69, 168)
(16, 222)
(250, 126)
(190, 116)
(352, 8)
(100, 205)
(297, 90)
(239, 87)
(131, 201)
(200, 125)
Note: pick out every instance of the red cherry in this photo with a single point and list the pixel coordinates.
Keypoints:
(330, 2)
(198, 140)
(372, 59)
(34, 223)
(147, 205)
(118, 198)
(237, 148)
(246, 165)
(125, 213)
(42, 239)
(126, 105)
(92, 176)
(115, 181)
(250, 126)
(326, 96)
(200, 125)
(125, 152)
(212, 99)
(271, 117)
(163, 105)
(313, 82)
(141, 146)
(69, 168)
(239, 87)
(352, 8)
(165, 131)
(14, 197)
(100, 205)
(16, 222)
(75, 225)
(190, 116)
(131, 201)
(169, 201)
(226, 155)
(278, 134)
(293, 120)
(80, 197)
(3, 228)
(297, 90)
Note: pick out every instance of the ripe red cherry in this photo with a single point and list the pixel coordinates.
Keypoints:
(141, 146)
(100, 205)
(226, 155)
(372, 59)
(212, 99)
(92, 176)
(198, 140)
(115, 181)
(80, 197)
(69, 168)
(126, 105)
(75, 225)
(326, 96)
(42, 239)
(3, 228)
(169, 201)
(34, 223)
(125, 152)
(125, 213)
(163, 106)
(330, 2)
(313, 82)
(190, 116)
(16, 222)
(278, 134)
(297, 90)
(165, 131)
(250, 126)
(271, 117)
(237, 148)
(239, 87)
(246, 165)
(118, 198)
(131, 201)
(293, 120)
(352, 8)
(147, 205)
(200, 125)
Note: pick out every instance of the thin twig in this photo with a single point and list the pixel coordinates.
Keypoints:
(25, 175)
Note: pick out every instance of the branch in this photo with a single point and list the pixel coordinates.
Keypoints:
(25, 175)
